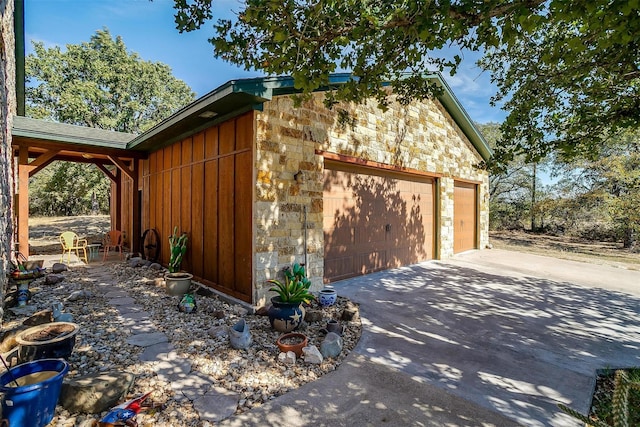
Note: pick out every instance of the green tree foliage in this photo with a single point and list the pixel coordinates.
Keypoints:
(567, 70)
(100, 84)
(609, 186)
(511, 189)
(65, 189)
(97, 84)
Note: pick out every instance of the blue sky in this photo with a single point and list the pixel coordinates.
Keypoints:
(148, 29)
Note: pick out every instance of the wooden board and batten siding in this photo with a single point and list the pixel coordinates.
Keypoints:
(375, 220)
(465, 222)
(204, 185)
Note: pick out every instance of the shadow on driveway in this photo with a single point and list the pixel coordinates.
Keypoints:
(515, 345)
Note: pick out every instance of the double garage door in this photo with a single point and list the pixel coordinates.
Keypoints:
(375, 220)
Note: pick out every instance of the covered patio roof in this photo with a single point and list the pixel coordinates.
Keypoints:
(37, 143)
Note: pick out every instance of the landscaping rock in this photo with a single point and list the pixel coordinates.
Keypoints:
(59, 267)
(312, 355)
(262, 311)
(203, 291)
(8, 340)
(331, 346)
(52, 279)
(350, 313)
(155, 266)
(135, 262)
(39, 318)
(78, 295)
(312, 316)
(218, 332)
(95, 393)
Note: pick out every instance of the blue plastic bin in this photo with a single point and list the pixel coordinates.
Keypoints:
(32, 404)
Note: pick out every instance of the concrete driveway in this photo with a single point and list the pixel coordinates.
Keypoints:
(489, 338)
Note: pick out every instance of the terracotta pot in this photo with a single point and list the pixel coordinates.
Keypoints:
(293, 341)
(285, 316)
(178, 283)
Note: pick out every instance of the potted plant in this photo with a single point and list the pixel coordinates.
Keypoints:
(177, 282)
(287, 312)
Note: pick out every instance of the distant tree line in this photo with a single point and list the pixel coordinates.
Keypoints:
(595, 197)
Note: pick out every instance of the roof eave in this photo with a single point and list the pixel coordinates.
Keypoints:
(462, 119)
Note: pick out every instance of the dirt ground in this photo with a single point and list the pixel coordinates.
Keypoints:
(44, 232)
(565, 247)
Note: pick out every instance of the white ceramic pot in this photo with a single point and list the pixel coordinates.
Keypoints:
(178, 283)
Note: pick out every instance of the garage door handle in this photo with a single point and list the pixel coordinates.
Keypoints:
(387, 227)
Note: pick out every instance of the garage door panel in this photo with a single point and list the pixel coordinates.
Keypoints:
(336, 267)
(464, 217)
(372, 261)
(388, 217)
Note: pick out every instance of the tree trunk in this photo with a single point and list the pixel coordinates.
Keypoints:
(7, 110)
(629, 238)
(533, 199)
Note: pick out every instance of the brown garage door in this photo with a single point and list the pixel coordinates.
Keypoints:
(465, 223)
(374, 220)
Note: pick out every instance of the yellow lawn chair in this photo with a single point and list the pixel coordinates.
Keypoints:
(71, 242)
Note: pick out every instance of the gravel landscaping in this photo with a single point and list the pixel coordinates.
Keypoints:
(256, 375)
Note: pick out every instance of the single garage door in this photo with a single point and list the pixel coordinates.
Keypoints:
(465, 224)
(374, 220)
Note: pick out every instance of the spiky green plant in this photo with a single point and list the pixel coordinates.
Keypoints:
(619, 408)
(177, 247)
(295, 288)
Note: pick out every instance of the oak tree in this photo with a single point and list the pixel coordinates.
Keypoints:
(567, 71)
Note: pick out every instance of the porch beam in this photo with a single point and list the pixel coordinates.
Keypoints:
(134, 211)
(23, 201)
(88, 149)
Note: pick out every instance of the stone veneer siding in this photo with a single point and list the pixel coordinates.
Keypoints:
(421, 136)
(7, 110)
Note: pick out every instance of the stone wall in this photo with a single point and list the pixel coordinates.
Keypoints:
(421, 136)
(7, 110)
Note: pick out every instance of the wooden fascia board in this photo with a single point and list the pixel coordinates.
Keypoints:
(79, 148)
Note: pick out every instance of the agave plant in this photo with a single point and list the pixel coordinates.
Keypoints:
(295, 288)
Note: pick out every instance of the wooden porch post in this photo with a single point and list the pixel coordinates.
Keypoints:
(23, 201)
(134, 212)
(117, 200)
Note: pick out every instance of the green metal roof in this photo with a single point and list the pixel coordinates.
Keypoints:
(231, 99)
(26, 127)
(238, 96)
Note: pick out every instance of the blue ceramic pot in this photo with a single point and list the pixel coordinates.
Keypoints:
(285, 316)
(327, 297)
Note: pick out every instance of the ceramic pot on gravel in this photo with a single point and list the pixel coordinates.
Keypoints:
(178, 283)
(327, 297)
(285, 316)
(49, 340)
(293, 341)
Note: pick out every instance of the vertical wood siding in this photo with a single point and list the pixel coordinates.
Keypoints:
(204, 185)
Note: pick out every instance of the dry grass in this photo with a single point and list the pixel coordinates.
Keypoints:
(564, 247)
(44, 232)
